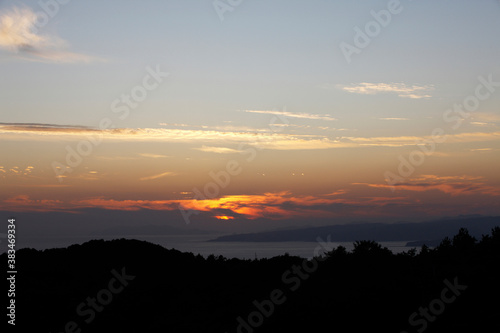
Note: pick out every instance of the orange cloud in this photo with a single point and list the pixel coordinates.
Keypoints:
(453, 185)
(224, 217)
(23, 203)
(128, 205)
(277, 205)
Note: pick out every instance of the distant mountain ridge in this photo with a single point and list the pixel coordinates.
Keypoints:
(146, 230)
(380, 232)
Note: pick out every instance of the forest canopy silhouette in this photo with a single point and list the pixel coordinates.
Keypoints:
(135, 286)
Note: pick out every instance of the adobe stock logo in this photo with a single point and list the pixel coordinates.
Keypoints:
(223, 6)
(50, 10)
(421, 319)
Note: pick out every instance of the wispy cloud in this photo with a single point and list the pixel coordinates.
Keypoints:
(161, 175)
(278, 141)
(225, 128)
(218, 150)
(19, 35)
(482, 149)
(393, 118)
(399, 141)
(153, 155)
(294, 115)
(453, 185)
(401, 89)
(174, 125)
(25, 203)
(487, 117)
(484, 119)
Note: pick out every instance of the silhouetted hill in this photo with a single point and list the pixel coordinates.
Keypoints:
(135, 286)
(379, 232)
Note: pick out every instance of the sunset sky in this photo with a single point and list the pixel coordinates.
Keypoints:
(265, 114)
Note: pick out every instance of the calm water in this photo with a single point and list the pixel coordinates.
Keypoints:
(198, 244)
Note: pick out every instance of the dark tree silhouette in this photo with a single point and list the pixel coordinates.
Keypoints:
(366, 290)
(367, 248)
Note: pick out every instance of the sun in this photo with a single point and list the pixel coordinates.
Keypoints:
(224, 217)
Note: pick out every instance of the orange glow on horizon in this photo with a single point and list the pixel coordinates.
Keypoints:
(224, 217)
(284, 204)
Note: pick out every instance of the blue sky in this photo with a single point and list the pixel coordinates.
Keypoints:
(264, 55)
(341, 123)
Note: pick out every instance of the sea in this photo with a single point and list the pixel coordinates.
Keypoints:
(201, 244)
